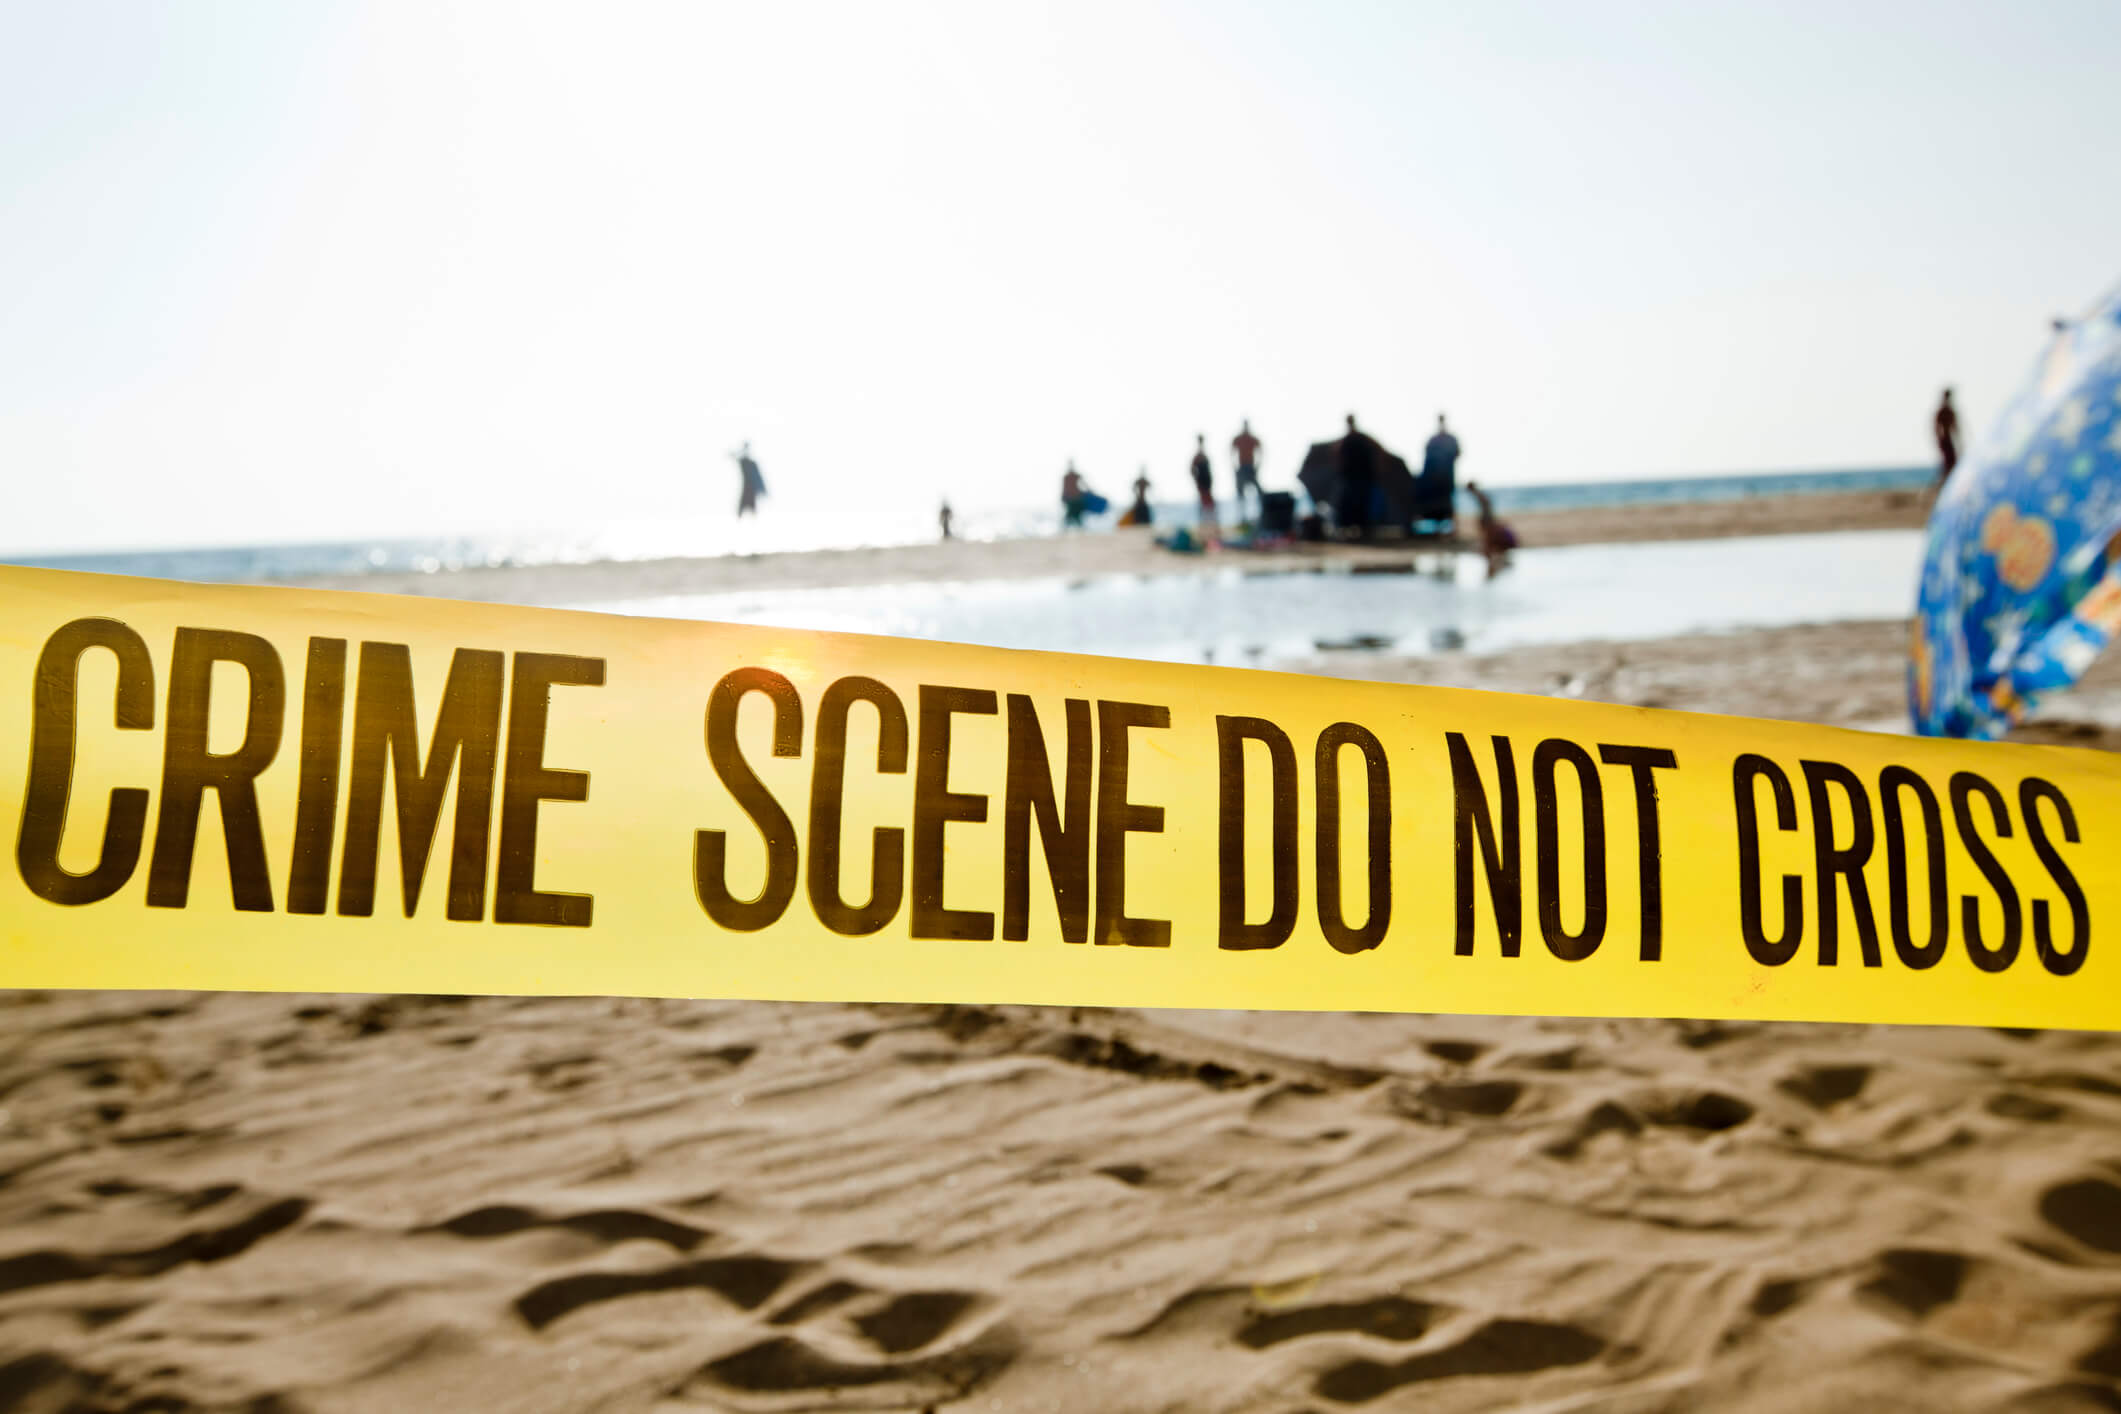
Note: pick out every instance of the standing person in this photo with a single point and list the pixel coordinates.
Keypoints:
(1439, 474)
(1439, 460)
(1073, 494)
(1204, 481)
(1496, 538)
(747, 502)
(943, 518)
(1246, 446)
(1946, 426)
(1139, 513)
(1358, 475)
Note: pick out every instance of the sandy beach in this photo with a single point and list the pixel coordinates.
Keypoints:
(1842, 675)
(278, 1204)
(1119, 552)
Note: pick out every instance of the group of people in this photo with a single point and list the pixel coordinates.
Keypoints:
(1244, 450)
(1078, 500)
(1352, 510)
(1358, 455)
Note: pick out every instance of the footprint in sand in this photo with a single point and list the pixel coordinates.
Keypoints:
(2009, 1104)
(609, 1226)
(1497, 1348)
(1473, 1099)
(914, 1319)
(1825, 1086)
(744, 1281)
(213, 1242)
(1917, 1281)
(786, 1365)
(1389, 1317)
(2088, 1209)
(1701, 1111)
(816, 1302)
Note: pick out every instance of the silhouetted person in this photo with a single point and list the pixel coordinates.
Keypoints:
(1946, 425)
(1439, 460)
(747, 502)
(1496, 539)
(1246, 446)
(1139, 513)
(1073, 495)
(1358, 475)
(943, 518)
(1204, 482)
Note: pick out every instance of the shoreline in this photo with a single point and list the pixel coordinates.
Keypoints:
(1127, 551)
(1842, 672)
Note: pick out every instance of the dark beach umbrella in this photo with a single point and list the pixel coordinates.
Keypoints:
(1320, 475)
(2020, 587)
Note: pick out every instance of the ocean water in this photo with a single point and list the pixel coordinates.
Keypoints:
(1260, 615)
(779, 530)
(1571, 495)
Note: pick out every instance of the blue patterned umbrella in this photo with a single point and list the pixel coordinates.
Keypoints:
(2020, 583)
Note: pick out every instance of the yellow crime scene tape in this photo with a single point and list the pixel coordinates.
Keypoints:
(273, 789)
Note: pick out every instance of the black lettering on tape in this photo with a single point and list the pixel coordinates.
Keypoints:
(828, 787)
(1844, 862)
(1118, 817)
(1892, 782)
(317, 789)
(1768, 952)
(1501, 858)
(1232, 931)
(189, 770)
(1063, 830)
(1641, 761)
(386, 736)
(2060, 961)
(53, 712)
(1378, 779)
(1546, 812)
(527, 782)
(710, 848)
(935, 805)
(1965, 785)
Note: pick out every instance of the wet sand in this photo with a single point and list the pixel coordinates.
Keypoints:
(278, 1204)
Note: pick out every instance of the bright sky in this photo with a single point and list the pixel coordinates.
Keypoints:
(287, 272)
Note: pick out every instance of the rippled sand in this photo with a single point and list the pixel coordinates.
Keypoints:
(275, 1203)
